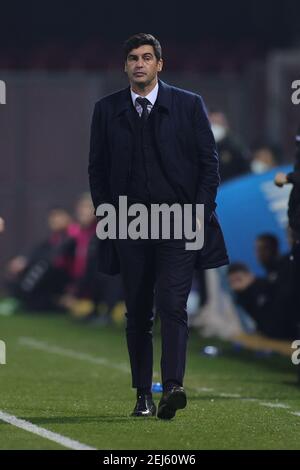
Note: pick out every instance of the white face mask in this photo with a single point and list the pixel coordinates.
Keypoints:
(218, 131)
(258, 167)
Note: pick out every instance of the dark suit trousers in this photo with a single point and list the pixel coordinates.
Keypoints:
(164, 269)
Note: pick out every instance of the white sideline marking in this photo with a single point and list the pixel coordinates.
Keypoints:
(230, 395)
(203, 389)
(274, 405)
(221, 394)
(51, 436)
(44, 346)
(248, 399)
(296, 413)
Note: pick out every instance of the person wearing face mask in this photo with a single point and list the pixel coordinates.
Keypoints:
(232, 156)
(264, 158)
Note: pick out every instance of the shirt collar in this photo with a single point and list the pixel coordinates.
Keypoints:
(151, 96)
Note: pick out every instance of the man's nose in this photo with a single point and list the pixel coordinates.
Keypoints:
(140, 63)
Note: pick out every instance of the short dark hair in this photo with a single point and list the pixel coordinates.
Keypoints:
(142, 39)
(270, 239)
(236, 268)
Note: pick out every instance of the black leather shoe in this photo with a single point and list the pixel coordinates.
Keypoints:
(171, 401)
(145, 406)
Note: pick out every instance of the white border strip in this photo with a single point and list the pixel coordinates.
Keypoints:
(51, 436)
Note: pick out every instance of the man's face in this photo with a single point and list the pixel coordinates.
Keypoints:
(142, 66)
(58, 220)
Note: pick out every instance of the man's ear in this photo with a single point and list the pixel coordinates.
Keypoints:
(160, 65)
(125, 67)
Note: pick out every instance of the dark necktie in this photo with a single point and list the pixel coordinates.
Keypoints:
(144, 103)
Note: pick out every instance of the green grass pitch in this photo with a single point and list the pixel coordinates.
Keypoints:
(74, 380)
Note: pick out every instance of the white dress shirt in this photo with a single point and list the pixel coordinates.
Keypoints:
(151, 97)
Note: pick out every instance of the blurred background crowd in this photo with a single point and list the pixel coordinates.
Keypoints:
(57, 61)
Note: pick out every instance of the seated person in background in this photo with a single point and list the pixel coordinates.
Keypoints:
(88, 287)
(276, 266)
(279, 269)
(90, 293)
(267, 254)
(233, 159)
(39, 280)
(104, 292)
(82, 231)
(270, 309)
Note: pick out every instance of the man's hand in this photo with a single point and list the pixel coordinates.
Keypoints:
(280, 179)
(2, 225)
(16, 265)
